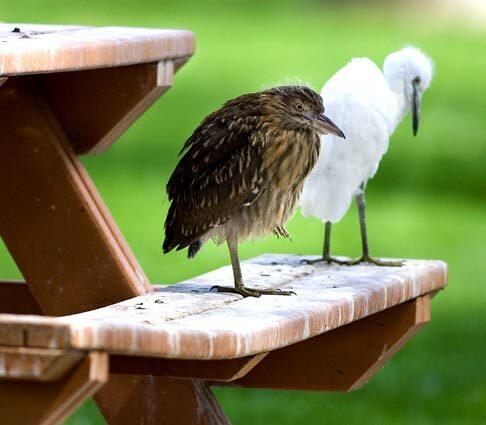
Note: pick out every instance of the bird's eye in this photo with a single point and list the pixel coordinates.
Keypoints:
(416, 80)
(299, 107)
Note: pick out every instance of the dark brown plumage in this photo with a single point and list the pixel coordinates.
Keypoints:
(243, 169)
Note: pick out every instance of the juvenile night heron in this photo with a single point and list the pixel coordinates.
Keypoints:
(367, 104)
(242, 172)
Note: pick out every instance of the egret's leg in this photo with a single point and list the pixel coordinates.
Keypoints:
(239, 287)
(366, 257)
(326, 249)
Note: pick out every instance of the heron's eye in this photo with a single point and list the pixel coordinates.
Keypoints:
(416, 80)
(299, 107)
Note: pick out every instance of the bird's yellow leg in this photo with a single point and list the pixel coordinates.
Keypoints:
(239, 287)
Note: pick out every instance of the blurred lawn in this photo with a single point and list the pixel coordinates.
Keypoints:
(426, 202)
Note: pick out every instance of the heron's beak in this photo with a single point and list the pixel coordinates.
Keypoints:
(416, 100)
(326, 126)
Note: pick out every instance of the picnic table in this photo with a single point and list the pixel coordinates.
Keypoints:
(87, 322)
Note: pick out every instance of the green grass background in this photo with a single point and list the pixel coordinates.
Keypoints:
(427, 200)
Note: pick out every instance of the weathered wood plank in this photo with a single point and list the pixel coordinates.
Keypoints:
(33, 331)
(36, 364)
(34, 403)
(41, 48)
(186, 321)
(204, 325)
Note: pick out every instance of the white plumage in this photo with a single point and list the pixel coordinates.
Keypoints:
(367, 104)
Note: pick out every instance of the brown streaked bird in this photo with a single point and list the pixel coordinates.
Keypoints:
(242, 172)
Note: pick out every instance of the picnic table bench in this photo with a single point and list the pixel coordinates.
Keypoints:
(88, 322)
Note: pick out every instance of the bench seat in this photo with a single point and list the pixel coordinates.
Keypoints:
(188, 321)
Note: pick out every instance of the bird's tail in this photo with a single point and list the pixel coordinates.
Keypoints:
(167, 246)
(194, 249)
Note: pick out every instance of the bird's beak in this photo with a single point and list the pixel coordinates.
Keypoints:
(326, 126)
(416, 100)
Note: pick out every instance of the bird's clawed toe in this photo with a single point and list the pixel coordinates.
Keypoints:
(275, 292)
(328, 260)
(343, 262)
(365, 259)
(378, 262)
(249, 292)
(307, 262)
(245, 292)
(281, 231)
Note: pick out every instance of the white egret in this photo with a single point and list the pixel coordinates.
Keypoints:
(367, 104)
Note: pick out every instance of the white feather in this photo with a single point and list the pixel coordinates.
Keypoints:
(366, 105)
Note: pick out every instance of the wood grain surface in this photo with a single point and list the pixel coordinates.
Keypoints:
(40, 403)
(53, 48)
(187, 321)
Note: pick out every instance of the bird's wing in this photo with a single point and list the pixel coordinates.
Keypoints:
(360, 76)
(358, 99)
(220, 172)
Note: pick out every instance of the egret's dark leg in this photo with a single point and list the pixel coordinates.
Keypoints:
(326, 249)
(361, 201)
(366, 257)
(239, 287)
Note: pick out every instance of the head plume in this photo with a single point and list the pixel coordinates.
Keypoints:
(405, 65)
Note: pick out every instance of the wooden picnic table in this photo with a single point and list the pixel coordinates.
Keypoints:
(87, 321)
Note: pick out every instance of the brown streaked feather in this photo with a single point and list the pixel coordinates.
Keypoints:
(218, 173)
(213, 141)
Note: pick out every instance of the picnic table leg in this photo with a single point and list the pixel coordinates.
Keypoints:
(65, 242)
(34, 403)
(128, 399)
(56, 227)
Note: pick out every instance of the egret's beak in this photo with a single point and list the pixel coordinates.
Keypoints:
(416, 100)
(326, 126)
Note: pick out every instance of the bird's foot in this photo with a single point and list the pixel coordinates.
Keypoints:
(327, 259)
(249, 292)
(281, 231)
(376, 261)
